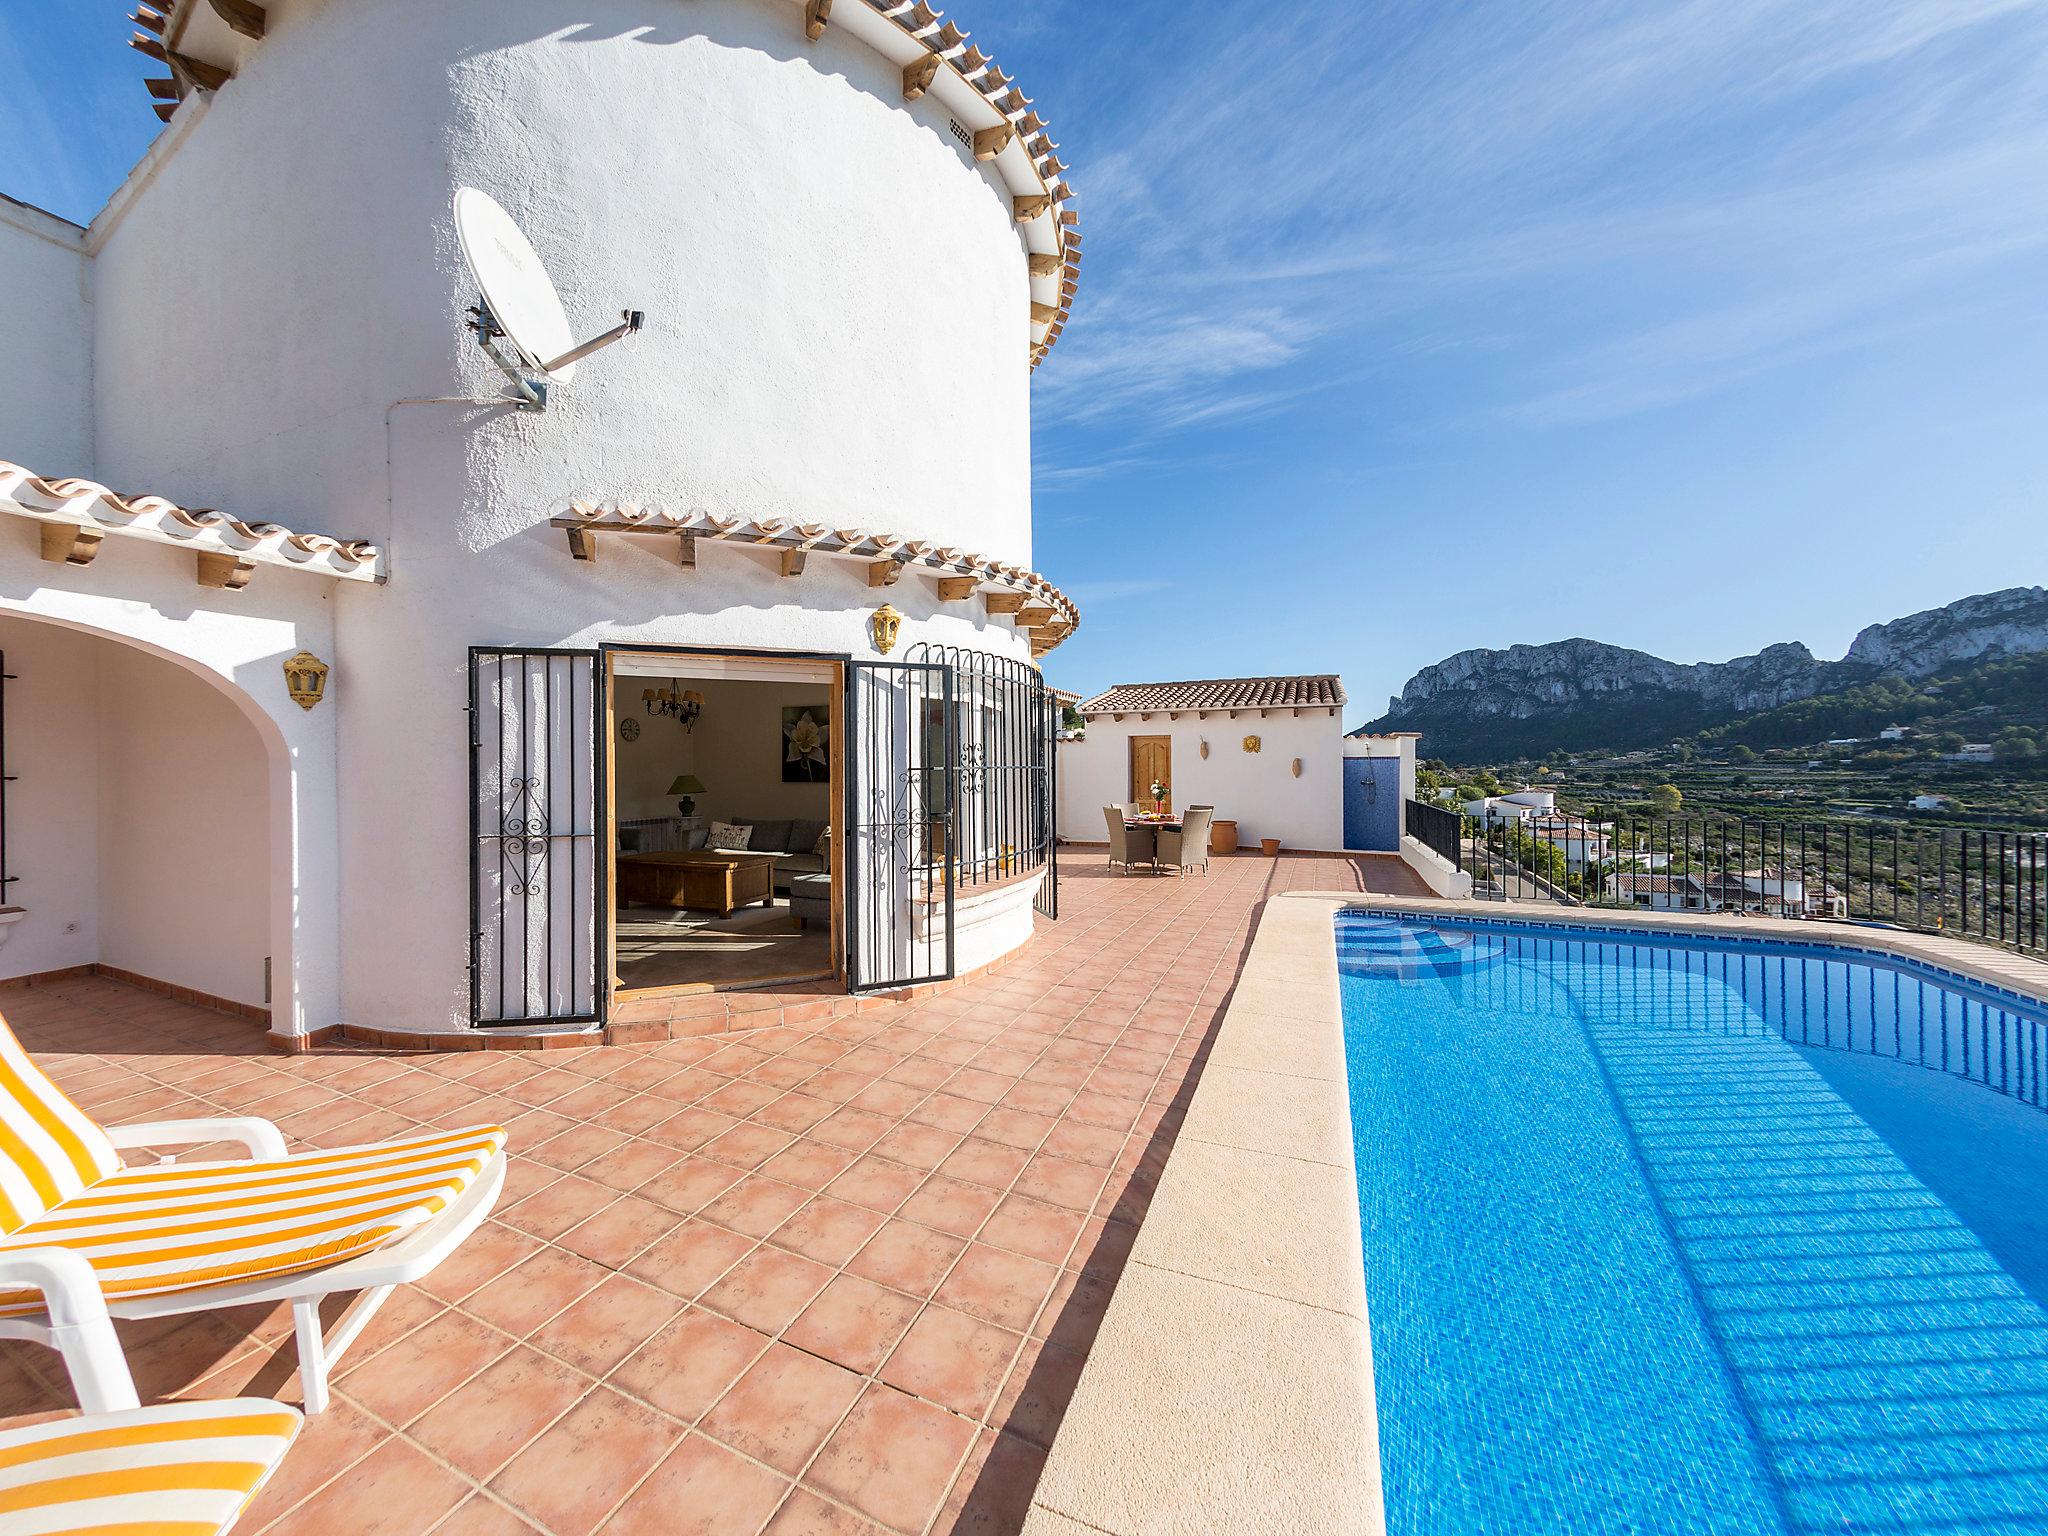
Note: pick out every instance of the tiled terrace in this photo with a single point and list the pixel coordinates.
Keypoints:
(831, 1278)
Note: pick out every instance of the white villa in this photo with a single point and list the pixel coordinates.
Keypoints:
(346, 689)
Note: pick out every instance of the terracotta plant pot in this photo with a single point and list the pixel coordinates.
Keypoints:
(1271, 846)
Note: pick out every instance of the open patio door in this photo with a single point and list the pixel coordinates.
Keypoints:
(537, 864)
(902, 756)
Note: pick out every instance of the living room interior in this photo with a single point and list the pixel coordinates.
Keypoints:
(724, 788)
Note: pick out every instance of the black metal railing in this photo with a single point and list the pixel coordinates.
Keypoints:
(1974, 883)
(1438, 830)
(1005, 723)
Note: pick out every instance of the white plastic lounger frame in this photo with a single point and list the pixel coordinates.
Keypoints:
(76, 1308)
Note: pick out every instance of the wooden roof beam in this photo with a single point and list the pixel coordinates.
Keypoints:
(226, 571)
(143, 16)
(197, 72)
(817, 13)
(793, 561)
(244, 16)
(884, 573)
(1033, 616)
(1033, 207)
(1043, 314)
(71, 544)
(991, 142)
(1003, 602)
(954, 589)
(918, 75)
(1045, 263)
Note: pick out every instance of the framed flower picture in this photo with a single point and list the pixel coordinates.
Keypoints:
(806, 744)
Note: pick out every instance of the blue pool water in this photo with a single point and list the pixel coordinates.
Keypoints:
(1692, 1236)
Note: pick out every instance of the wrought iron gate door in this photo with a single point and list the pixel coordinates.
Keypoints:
(537, 873)
(902, 756)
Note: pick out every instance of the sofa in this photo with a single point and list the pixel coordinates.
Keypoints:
(791, 842)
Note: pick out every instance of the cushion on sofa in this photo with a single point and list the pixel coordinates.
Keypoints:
(804, 835)
(730, 835)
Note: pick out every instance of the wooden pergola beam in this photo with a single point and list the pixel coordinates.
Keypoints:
(816, 14)
(227, 571)
(208, 77)
(884, 573)
(793, 562)
(1003, 602)
(954, 589)
(244, 16)
(1044, 314)
(71, 544)
(1033, 616)
(1029, 208)
(918, 75)
(582, 543)
(1045, 263)
(990, 142)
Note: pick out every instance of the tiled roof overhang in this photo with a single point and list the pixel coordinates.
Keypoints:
(201, 42)
(1220, 695)
(1026, 598)
(77, 515)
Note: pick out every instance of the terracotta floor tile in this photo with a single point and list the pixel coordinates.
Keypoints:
(829, 1230)
(988, 1163)
(687, 1366)
(755, 1205)
(746, 1145)
(482, 1515)
(328, 1443)
(992, 1496)
(951, 1205)
(853, 1322)
(1059, 1182)
(876, 1183)
(588, 1461)
(955, 1360)
(908, 1257)
(702, 1489)
(631, 1164)
(691, 1258)
(808, 1164)
(998, 1287)
(950, 1112)
(404, 1379)
(619, 1231)
(806, 1514)
(922, 1147)
(854, 1129)
(1077, 1142)
(490, 1251)
(553, 1210)
(607, 1325)
(1033, 1228)
(523, 1298)
(486, 1422)
(893, 1459)
(782, 1409)
(1034, 1399)
(767, 1289)
(686, 1187)
(396, 1490)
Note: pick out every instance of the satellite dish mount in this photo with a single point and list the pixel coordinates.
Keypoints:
(518, 317)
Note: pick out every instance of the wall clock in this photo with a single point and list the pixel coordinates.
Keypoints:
(629, 729)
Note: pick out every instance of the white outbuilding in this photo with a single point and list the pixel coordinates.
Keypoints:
(1266, 752)
(347, 689)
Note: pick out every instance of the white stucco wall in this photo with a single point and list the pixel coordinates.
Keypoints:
(1257, 790)
(837, 332)
(52, 810)
(184, 815)
(45, 343)
(147, 596)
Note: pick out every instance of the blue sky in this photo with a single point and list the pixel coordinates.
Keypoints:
(1408, 326)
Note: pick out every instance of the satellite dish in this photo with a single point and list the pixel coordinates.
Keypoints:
(517, 292)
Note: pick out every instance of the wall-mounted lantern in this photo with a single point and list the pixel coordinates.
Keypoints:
(883, 626)
(305, 679)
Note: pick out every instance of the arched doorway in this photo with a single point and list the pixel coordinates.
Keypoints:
(145, 798)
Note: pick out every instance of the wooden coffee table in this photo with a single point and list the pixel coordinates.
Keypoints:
(706, 880)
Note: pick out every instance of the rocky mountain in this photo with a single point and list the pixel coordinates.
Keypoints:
(1485, 705)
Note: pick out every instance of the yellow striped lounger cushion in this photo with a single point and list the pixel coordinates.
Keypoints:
(180, 1469)
(181, 1226)
(49, 1149)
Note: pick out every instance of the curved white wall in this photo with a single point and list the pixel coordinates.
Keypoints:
(837, 332)
(45, 343)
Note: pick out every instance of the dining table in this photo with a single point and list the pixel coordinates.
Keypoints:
(1157, 821)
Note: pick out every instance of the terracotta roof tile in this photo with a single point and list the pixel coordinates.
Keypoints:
(1320, 690)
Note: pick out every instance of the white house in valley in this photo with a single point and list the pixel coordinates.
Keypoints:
(346, 689)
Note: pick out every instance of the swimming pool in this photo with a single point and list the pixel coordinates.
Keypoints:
(1689, 1235)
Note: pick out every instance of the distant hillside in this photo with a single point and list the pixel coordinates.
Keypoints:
(1582, 695)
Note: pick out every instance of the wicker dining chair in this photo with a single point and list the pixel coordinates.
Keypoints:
(1129, 845)
(1186, 846)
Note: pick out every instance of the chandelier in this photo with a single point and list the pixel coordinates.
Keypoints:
(684, 706)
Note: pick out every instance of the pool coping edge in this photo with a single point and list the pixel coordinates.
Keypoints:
(1230, 1386)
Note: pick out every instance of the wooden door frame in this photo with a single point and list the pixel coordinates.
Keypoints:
(835, 808)
(1131, 767)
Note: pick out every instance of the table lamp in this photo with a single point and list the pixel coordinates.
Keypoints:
(687, 785)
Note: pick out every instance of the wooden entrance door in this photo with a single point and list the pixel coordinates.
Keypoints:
(1152, 762)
